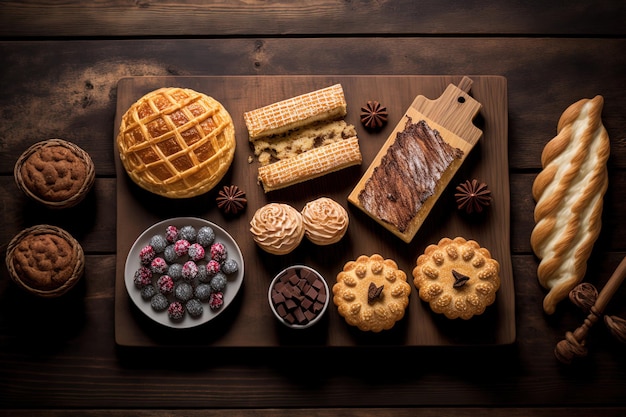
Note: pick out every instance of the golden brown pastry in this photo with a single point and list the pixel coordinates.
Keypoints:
(325, 221)
(569, 194)
(457, 277)
(176, 142)
(371, 293)
(277, 228)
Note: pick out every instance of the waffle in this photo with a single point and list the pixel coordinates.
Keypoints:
(569, 192)
(176, 142)
(311, 164)
(280, 117)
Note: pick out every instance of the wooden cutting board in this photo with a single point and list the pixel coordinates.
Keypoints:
(451, 115)
(249, 322)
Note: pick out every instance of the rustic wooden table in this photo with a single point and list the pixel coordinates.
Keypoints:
(58, 75)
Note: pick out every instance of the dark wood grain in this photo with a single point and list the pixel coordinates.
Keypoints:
(61, 62)
(229, 18)
(74, 97)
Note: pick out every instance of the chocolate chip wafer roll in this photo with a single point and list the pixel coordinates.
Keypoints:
(569, 193)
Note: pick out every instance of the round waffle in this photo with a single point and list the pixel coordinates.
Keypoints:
(176, 142)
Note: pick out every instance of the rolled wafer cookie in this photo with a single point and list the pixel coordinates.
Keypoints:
(282, 116)
(310, 164)
(569, 193)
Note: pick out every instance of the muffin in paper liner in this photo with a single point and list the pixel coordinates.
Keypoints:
(45, 260)
(55, 173)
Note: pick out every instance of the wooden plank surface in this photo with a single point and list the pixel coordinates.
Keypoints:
(324, 17)
(250, 322)
(60, 357)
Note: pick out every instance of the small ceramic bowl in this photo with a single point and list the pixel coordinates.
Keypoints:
(298, 296)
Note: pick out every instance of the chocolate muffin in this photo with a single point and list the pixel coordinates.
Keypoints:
(55, 173)
(45, 260)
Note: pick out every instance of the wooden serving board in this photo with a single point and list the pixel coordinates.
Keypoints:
(452, 115)
(248, 322)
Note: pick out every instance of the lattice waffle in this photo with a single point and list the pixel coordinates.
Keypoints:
(176, 142)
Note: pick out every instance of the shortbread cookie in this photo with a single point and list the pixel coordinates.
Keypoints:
(458, 278)
(371, 293)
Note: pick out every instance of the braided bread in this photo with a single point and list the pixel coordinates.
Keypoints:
(569, 192)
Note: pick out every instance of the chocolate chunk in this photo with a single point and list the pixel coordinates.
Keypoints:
(298, 296)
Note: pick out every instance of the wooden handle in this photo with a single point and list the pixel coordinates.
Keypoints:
(611, 287)
(574, 343)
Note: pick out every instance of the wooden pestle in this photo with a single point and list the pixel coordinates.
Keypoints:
(574, 343)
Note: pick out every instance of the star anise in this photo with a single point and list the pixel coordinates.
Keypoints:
(472, 196)
(231, 199)
(374, 292)
(373, 115)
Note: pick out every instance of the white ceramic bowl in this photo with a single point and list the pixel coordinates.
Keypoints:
(292, 321)
(133, 263)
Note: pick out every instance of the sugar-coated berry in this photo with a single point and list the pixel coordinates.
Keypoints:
(194, 307)
(195, 252)
(169, 254)
(218, 252)
(176, 311)
(203, 292)
(143, 277)
(213, 267)
(181, 247)
(158, 242)
(183, 291)
(218, 282)
(148, 292)
(175, 271)
(159, 302)
(230, 266)
(146, 254)
(205, 236)
(158, 265)
(171, 234)
(203, 274)
(190, 270)
(165, 284)
(216, 300)
(188, 233)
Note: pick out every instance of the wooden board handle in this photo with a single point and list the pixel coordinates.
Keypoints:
(455, 109)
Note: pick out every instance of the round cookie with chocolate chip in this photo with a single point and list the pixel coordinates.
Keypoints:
(457, 278)
(371, 293)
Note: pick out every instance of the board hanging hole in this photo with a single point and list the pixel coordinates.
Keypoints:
(461, 99)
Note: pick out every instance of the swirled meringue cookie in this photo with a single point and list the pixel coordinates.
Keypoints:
(325, 221)
(277, 228)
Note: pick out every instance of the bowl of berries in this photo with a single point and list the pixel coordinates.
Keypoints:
(183, 272)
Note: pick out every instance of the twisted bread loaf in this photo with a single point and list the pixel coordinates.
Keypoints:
(569, 192)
